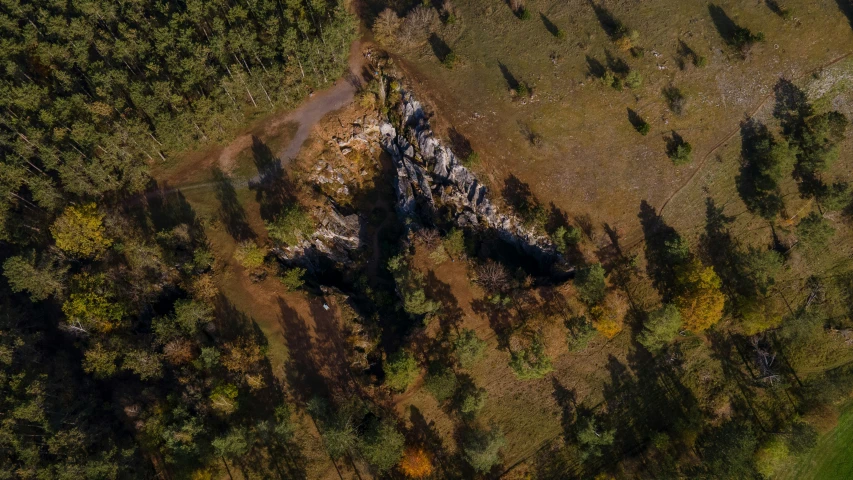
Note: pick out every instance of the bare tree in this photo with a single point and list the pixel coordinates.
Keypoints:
(492, 276)
(385, 27)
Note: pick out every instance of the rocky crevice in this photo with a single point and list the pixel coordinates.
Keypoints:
(430, 176)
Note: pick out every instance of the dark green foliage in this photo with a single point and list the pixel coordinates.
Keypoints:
(566, 237)
(581, 332)
(814, 231)
(440, 381)
(590, 284)
(524, 14)
(450, 60)
(471, 160)
(382, 446)
(766, 162)
(679, 151)
(468, 348)
(530, 362)
(291, 226)
(293, 278)
(728, 450)
(660, 328)
(644, 128)
(401, 369)
(482, 447)
(675, 100)
(40, 281)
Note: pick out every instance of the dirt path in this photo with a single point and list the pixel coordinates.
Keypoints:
(737, 130)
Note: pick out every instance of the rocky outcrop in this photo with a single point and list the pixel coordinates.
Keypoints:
(338, 238)
(430, 176)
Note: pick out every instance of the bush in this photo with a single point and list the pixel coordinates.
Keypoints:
(440, 382)
(522, 90)
(661, 327)
(473, 400)
(250, 255)
(468, 348)
(643, 127)
(814, 231)
(481, 448)
(401, 370)
(450, 60)
(700, 61)
(382, 447)
(590, 284)
(531, 362)
(291, 226)
(580, 334)
(563, 237)
(471, 161)
(634, 79)
(681, 153)
(454, 243)
(524, 14)
(293, 278)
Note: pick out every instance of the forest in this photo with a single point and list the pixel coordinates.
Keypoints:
(438, 314)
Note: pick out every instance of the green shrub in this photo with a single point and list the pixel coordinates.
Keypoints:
(814, 231)
(250, 255)
(293, 278)
(644, 128)
(522, 90)
(561, 34)
(524, 14)
(634, 79)
(590, 284)
(291, 226)
(531, 362)
(472, 160)
(681, 153)
(450, 60)
(454, 243)
(382, 446)
(440, 382)
(468, 348)
(401, 370)
(700, 61)
(473, 400)
(579, 337)
(661, 328)
(481, 448)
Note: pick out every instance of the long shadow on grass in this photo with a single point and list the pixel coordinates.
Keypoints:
(660, 240)
(440, 48)
(757, 188)
(549, 25)
(510, 79)
(230, 210)
(595, 68)
(274, 189)
(612, 26)
(303, 370)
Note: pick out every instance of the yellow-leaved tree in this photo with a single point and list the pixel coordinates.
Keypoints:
(609, 317)
(79, 231)
(91, 306)
(702, 302)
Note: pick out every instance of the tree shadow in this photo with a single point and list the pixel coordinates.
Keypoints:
(758, 190)
(609, 23)
(659, 238)
(635, 119)
(459, 143)
(549, 25)
(616, 64)
(517, 194)
(595, 68)
(510, 79)
(726, 27)
(567, 401)
(231, 212)
(673, 142)
(846, 7)
(684, 55)
(274, 190)
(774, 7)
(439, 47)
(303, 371)
(792, 107)
(675, 99)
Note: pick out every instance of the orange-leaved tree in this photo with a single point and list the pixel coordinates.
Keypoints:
(416, 463)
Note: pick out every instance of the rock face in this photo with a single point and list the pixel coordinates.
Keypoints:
(430, 176)
(337, 238)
